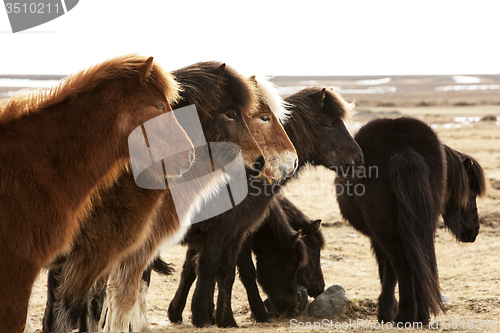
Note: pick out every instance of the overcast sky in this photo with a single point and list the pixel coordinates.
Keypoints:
(266, 37)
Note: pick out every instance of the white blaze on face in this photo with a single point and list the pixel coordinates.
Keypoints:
(283, 163)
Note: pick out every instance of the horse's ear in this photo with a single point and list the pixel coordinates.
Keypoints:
(311, 228)
(145, 70)
(315, 225)
(467, 162)
(254, 80)
(318, 98)
(220, 70)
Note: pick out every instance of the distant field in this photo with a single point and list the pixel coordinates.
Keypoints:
(387, 91)
(380, 91)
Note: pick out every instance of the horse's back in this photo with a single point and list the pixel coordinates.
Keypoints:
(381, 139)
(393, 148)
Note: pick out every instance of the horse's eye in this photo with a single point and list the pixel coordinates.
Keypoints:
(160, 107)
(329, 125)
(265, 118)
(230, 115)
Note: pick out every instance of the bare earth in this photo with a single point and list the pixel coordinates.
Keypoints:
(469, 273)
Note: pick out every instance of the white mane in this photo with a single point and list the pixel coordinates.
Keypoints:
(269, 95)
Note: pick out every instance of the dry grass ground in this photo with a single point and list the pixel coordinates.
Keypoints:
(469, 273)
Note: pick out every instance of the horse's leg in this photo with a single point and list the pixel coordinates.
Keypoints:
(407, 311)
(188, 275)
(95, 303)
(17, 276)
(208, 264)
(104, 312)
(139, 315)
(122, 292)
(248, 277)
(211, 305)
(52, 285)
(387, 304)
(225, 280)
(78, 280)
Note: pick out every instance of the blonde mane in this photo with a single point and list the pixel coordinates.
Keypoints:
(269, 95)
(30, 101)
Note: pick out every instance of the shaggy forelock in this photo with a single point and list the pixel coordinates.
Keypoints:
(345, 110)
(268, 94)
(458, 188)
(206, 84)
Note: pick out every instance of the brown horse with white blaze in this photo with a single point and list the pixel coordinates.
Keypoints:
(56, 147)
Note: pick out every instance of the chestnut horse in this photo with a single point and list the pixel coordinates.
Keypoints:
(56, 146)
(126, 215)
(317, 131)
(398, 206)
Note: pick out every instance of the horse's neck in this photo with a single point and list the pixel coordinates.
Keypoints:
(302, 145)
(191, 197)
(80, 146)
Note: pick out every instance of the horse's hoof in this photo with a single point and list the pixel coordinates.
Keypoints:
(174, 318)
(176, 321)
(263, 318)
(202, 325)
(404, 321)
(229, 325)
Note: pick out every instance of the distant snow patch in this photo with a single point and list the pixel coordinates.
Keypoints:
(465, 79)
(374, 82)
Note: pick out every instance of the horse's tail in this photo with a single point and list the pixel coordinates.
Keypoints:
(409, 177)
(161, 267)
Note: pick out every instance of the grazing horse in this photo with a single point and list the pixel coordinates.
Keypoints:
(397, 202)
(287, 254)
(465, 182)
(56, 146)
(317, 131)
(284, 260)
(130, 222)
(310, 275)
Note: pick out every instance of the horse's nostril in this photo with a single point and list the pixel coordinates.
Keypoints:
(191, 156)
(259, 163)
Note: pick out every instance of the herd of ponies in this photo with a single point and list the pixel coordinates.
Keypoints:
(69, 201)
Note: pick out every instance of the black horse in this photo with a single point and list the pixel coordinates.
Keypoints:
(412, 179)
(317, 131)
(282, 261)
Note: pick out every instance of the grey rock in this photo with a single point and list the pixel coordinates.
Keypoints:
(330, 303)
(444, 299)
